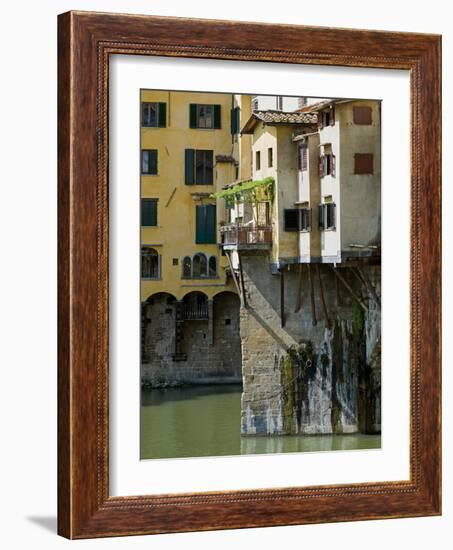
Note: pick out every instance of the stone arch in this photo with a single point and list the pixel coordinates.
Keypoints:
(195, 306)
(157, 331)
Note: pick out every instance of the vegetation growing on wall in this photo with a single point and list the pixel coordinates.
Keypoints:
(251, 191)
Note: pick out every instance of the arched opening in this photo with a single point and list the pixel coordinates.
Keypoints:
(199, 266)
(150, 263)
(187, 267)
(195, 306)
(157, 327)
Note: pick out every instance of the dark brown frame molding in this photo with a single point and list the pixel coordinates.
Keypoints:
(85, 41)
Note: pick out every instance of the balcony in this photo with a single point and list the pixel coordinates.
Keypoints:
(195, 312)
(246, 237)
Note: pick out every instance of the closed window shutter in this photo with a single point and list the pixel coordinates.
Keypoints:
(217, 117)
(333, 168)
(206, 224)
(149, 212)
(200, 224)
(309, 219)
(211, 232)
(189, 166)
(153, 161)
(321, 216)
(320, 120)
(162, 115)
(193, 115)
(235, 120)
(321, 166)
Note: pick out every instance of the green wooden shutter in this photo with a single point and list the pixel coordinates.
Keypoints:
(162, 122)
(193, 115)
(206, 230)
(153, 162)
(189, 166)
(211, 233)
(200, 224)
(235, 120)
(149, 212)
(217, 117)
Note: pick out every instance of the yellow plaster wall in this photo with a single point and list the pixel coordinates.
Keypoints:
(174, 236)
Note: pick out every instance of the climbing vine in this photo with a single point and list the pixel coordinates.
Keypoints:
(248, 191)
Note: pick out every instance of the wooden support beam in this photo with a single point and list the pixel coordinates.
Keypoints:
(337, 292)
(323, 300)
(282, 297)
(244, 297)
(312, 297)
(369, 285)
(299, 291)
(233, 274)
(349, 289)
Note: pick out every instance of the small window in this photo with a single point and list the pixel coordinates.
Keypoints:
(204, 116)
(149, 212)
(363, 163)
(362, 114)
(327, 165)
(305, 219)
(258, 160)
(212, 266)
(199, 266)
(149, 162)
(291, 219)
(303, 156)
(199, 167)
(270, 157)
(187, 267)
(327, 216)
(150, 263)
(297, 219)
(175, 261)
(154, 114)
(326, 118)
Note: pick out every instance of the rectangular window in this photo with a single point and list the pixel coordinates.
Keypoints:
(305, 219)
(303, 156)
(206, 229)
(291, 219)
(262, 214)
(150, 263)
(258, 160)
(199, 167)
(204, 116)
(154, 114)
(149, 162)
(270, 157)
(327, 216)
(363, 163)
(361, 114)
(327, 165)
(235, 120)
(297, 219)
(149, 212)
(326, 118)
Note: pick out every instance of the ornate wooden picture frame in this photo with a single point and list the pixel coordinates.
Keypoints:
(85, 507)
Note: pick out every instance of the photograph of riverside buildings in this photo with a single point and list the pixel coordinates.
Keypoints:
(260, 274)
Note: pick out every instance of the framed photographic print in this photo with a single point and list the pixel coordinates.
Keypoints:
(249, 275)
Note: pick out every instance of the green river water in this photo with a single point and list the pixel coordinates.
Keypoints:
(205, 421)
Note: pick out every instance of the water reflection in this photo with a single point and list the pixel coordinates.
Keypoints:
(205, 421)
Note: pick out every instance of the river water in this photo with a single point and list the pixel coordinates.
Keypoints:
(205, 421)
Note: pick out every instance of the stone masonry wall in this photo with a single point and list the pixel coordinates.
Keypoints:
(305, 377)
(218, 362)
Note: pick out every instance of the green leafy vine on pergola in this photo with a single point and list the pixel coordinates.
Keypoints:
(251, 191)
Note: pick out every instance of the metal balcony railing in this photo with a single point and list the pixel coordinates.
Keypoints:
(237, 234)
(195, 312)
